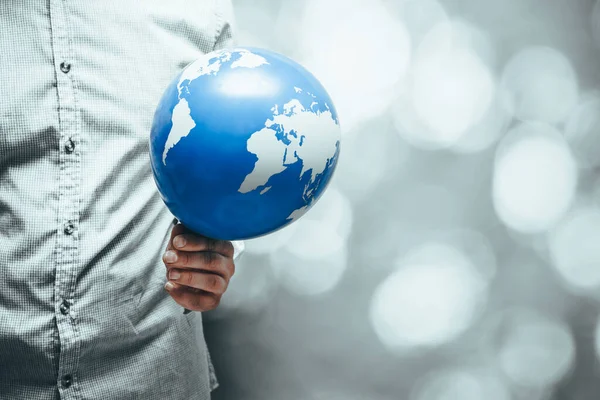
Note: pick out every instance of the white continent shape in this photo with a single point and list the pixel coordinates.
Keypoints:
(317, 131)
(182, 122)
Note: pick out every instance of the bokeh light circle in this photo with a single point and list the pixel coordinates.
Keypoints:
(575, 248)
(535, 350)
(433, 297)
(582, 131)
(542, 84)
(535, 177)
(361, 59)
(313, 260)
(449, 89)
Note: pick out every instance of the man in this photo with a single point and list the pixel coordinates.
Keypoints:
(84, 309)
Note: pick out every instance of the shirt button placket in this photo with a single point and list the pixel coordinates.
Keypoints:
(64, 308)
(69, 146)
(66, 381)
(69, 228)
(69, 185)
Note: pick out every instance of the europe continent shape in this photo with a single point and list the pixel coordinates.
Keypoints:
(244, 141)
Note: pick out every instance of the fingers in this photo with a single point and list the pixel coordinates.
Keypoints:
(177, 230)
(205, 281)
(193, 299)
(203, 260)
(198, 269)
(192, 242)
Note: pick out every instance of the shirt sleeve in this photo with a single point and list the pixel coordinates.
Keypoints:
(225, 25)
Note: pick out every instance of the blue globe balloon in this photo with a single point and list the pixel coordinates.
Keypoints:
(243, 142)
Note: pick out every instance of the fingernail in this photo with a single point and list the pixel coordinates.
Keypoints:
(179, 241)
(174, 274)
(170, 256)
(169, 286)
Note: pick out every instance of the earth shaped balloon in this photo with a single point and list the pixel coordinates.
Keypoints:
(244, 141)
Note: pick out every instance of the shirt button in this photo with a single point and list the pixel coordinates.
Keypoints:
(66, 381)
(64, 308)
(65, 67)
(69, 146)
(69, 228)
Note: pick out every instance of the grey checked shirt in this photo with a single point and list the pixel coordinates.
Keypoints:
(83, 312)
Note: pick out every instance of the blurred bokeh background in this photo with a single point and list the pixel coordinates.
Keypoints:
(456, 255)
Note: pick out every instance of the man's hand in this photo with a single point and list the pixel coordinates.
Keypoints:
(198, 269)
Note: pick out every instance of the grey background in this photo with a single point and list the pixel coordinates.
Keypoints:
(492, 291)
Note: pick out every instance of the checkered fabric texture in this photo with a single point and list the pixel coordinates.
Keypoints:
(83, 312)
